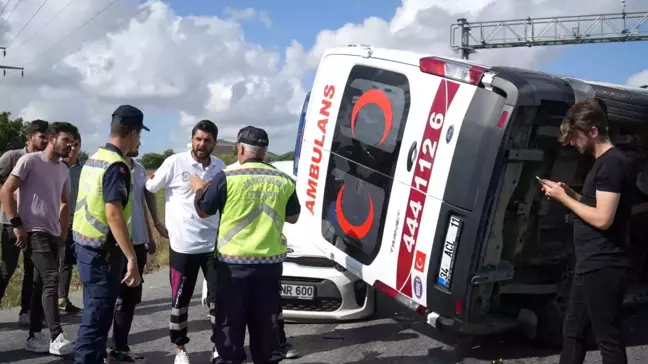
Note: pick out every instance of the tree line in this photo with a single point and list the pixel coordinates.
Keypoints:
(13, 135)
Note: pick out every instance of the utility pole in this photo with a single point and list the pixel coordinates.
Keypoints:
(5, 68)
(466, 38)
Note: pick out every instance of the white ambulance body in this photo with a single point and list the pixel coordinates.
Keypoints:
(416, 174)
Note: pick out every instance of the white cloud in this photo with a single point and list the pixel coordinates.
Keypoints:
(638, 79)
(203, 67)
(249, 14)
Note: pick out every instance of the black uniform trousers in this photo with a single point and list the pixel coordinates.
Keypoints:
(246, 295)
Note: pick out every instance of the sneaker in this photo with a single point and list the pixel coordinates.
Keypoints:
(288, 351)
(181, 358)
(119, 357)
(23, 319)
(37, 344)
(61, 346)
(214, 354)
(69, 309)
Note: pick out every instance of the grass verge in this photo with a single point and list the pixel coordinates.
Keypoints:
(156, 261)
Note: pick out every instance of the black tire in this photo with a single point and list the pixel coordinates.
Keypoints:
(624, 106)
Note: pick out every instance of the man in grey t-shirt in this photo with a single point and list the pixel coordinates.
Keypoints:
(39, 219)
(36, 142)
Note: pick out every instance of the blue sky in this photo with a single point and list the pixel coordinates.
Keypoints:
(292, 19)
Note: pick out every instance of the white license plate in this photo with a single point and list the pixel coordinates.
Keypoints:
(447, 256)
(298, 291)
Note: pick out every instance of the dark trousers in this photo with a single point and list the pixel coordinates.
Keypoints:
(282, 332)
(127, 299)
(212, 287)
(99, 272)
(8, 265)
(66, 261)
(280, 320)
(595, 301)
(43, 249)
(247, 296)
(183, 274)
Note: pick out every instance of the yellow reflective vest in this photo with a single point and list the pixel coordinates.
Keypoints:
(253, 216)
(90, 225)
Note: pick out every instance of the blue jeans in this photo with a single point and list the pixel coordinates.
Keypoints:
(99, 272)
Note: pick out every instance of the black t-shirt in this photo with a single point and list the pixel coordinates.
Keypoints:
(596, 249)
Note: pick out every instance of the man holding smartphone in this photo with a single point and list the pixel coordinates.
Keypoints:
(601, 210)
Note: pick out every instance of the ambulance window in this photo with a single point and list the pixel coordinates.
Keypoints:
(372, 117)
(354, 208)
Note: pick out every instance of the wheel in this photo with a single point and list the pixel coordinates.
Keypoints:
(624, 105)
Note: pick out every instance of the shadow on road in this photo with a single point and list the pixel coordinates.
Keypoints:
(16, 355)
(339, 338)
(145, 336)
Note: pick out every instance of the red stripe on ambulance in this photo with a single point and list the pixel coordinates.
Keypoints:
(419, 186)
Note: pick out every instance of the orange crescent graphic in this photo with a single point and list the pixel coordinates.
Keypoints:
(381, 100)
(354, 231)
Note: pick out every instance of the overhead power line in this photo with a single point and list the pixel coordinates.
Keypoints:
(31, 36)
(4, 7)
(12, 10)
(72, 32)
(96, 38)
(26, 24)
(467, 37)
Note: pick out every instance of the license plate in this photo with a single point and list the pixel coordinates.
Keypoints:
(447, 256)
(298, 291)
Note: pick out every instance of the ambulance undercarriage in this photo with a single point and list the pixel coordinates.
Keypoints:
(525, 262)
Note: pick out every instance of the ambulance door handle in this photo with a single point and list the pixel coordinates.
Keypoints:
(411, 156)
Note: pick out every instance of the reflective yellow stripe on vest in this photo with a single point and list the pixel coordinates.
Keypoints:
(90, 225)
(252, 219)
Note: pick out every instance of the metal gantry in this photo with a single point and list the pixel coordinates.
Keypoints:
(466, 37)
(5, 68)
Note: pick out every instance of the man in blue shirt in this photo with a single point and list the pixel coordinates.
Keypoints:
(100, 268)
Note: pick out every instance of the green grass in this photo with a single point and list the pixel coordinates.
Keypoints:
(159, 260)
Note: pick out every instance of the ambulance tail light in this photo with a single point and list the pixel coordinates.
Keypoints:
(408, 302)
(300, 133)
(452, 70)
(505, 116)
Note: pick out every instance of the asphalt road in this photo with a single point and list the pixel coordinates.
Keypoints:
(392, 337)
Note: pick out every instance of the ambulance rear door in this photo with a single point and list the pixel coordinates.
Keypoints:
(377, 144)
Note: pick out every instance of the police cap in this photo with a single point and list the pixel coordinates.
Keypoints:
(253, 136)
(130, 116)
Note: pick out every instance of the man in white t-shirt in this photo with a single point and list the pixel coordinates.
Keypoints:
(192, 239)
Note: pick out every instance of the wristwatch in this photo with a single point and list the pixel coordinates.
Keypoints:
(16, 222)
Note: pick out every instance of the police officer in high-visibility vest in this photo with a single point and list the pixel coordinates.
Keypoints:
(101, 227)
(254, 200)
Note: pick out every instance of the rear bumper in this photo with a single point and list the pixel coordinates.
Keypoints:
(486, 326)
